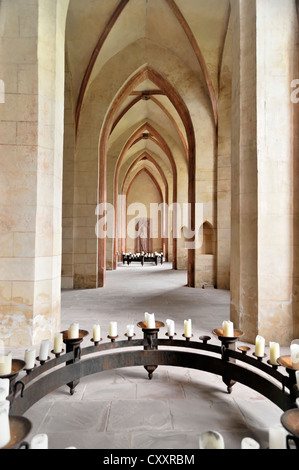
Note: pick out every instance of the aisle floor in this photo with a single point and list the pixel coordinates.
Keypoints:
(122, 408)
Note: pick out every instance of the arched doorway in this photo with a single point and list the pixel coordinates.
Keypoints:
(136, 98)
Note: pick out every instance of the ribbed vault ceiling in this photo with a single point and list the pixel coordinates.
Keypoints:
(193, 30)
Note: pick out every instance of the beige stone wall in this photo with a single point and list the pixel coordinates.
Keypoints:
(206, 266)
(265, 58)
(19, 156)
(277, 65)
(206, 185)
(31, 136)
(51, 60)
(85, 204)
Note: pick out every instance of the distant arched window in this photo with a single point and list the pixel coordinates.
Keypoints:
(208, 239)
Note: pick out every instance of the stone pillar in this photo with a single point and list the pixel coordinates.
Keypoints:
(244, 285)
(31, 138)
(224, 167)
(264, 52)
(69, 194)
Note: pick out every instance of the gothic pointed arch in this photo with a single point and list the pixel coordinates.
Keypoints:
(148, 73)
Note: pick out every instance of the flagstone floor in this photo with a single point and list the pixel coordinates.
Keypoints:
(122, 409)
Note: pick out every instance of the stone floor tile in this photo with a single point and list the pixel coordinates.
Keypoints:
(165, 440)
(139, 415)
(89, 440)
(139, 375)
(98, 391)
(200, 415)
(158, 390)
(77, 416)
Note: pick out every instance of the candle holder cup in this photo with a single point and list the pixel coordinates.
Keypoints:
(150, 334)
(96, 343)
(169, 336)
(16, 367)
(129, 336)
(205, 339)
(286, 361)
(28, 371)
(244, 349)
(57, 354)
(274, 366)
(43, 361)
(228, 339)
(143, 325)
(112, 338)
(187, 338)
(73, 345)
(228, 343)
(74, 341)
(20, 428)
(290, 421)
(260, 358)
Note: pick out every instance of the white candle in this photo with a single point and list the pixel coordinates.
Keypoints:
(297, 402)
(228, 329)
(260, 346)
(151, 323)
(96, 333)
(211, 440)
(73, 331)
(170, 326)
(130, 330)
(113, 329)
(4, 389)
(6, 364)
(295, 356)
(4, 423)
(274, 353)
(58, 340)
(30, 358)
(40, 441)
(188, 328)
(44, 350)
(277, 438)
(248, 443)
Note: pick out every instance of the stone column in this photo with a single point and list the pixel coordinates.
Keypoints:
(224, 167)
(244, 282)
(69, 194)
(264, 61)
(31, 138)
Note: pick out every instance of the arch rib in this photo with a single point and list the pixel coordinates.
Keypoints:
(162, 83)
(181, 19)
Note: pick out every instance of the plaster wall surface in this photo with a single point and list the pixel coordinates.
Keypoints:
(32, 66)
